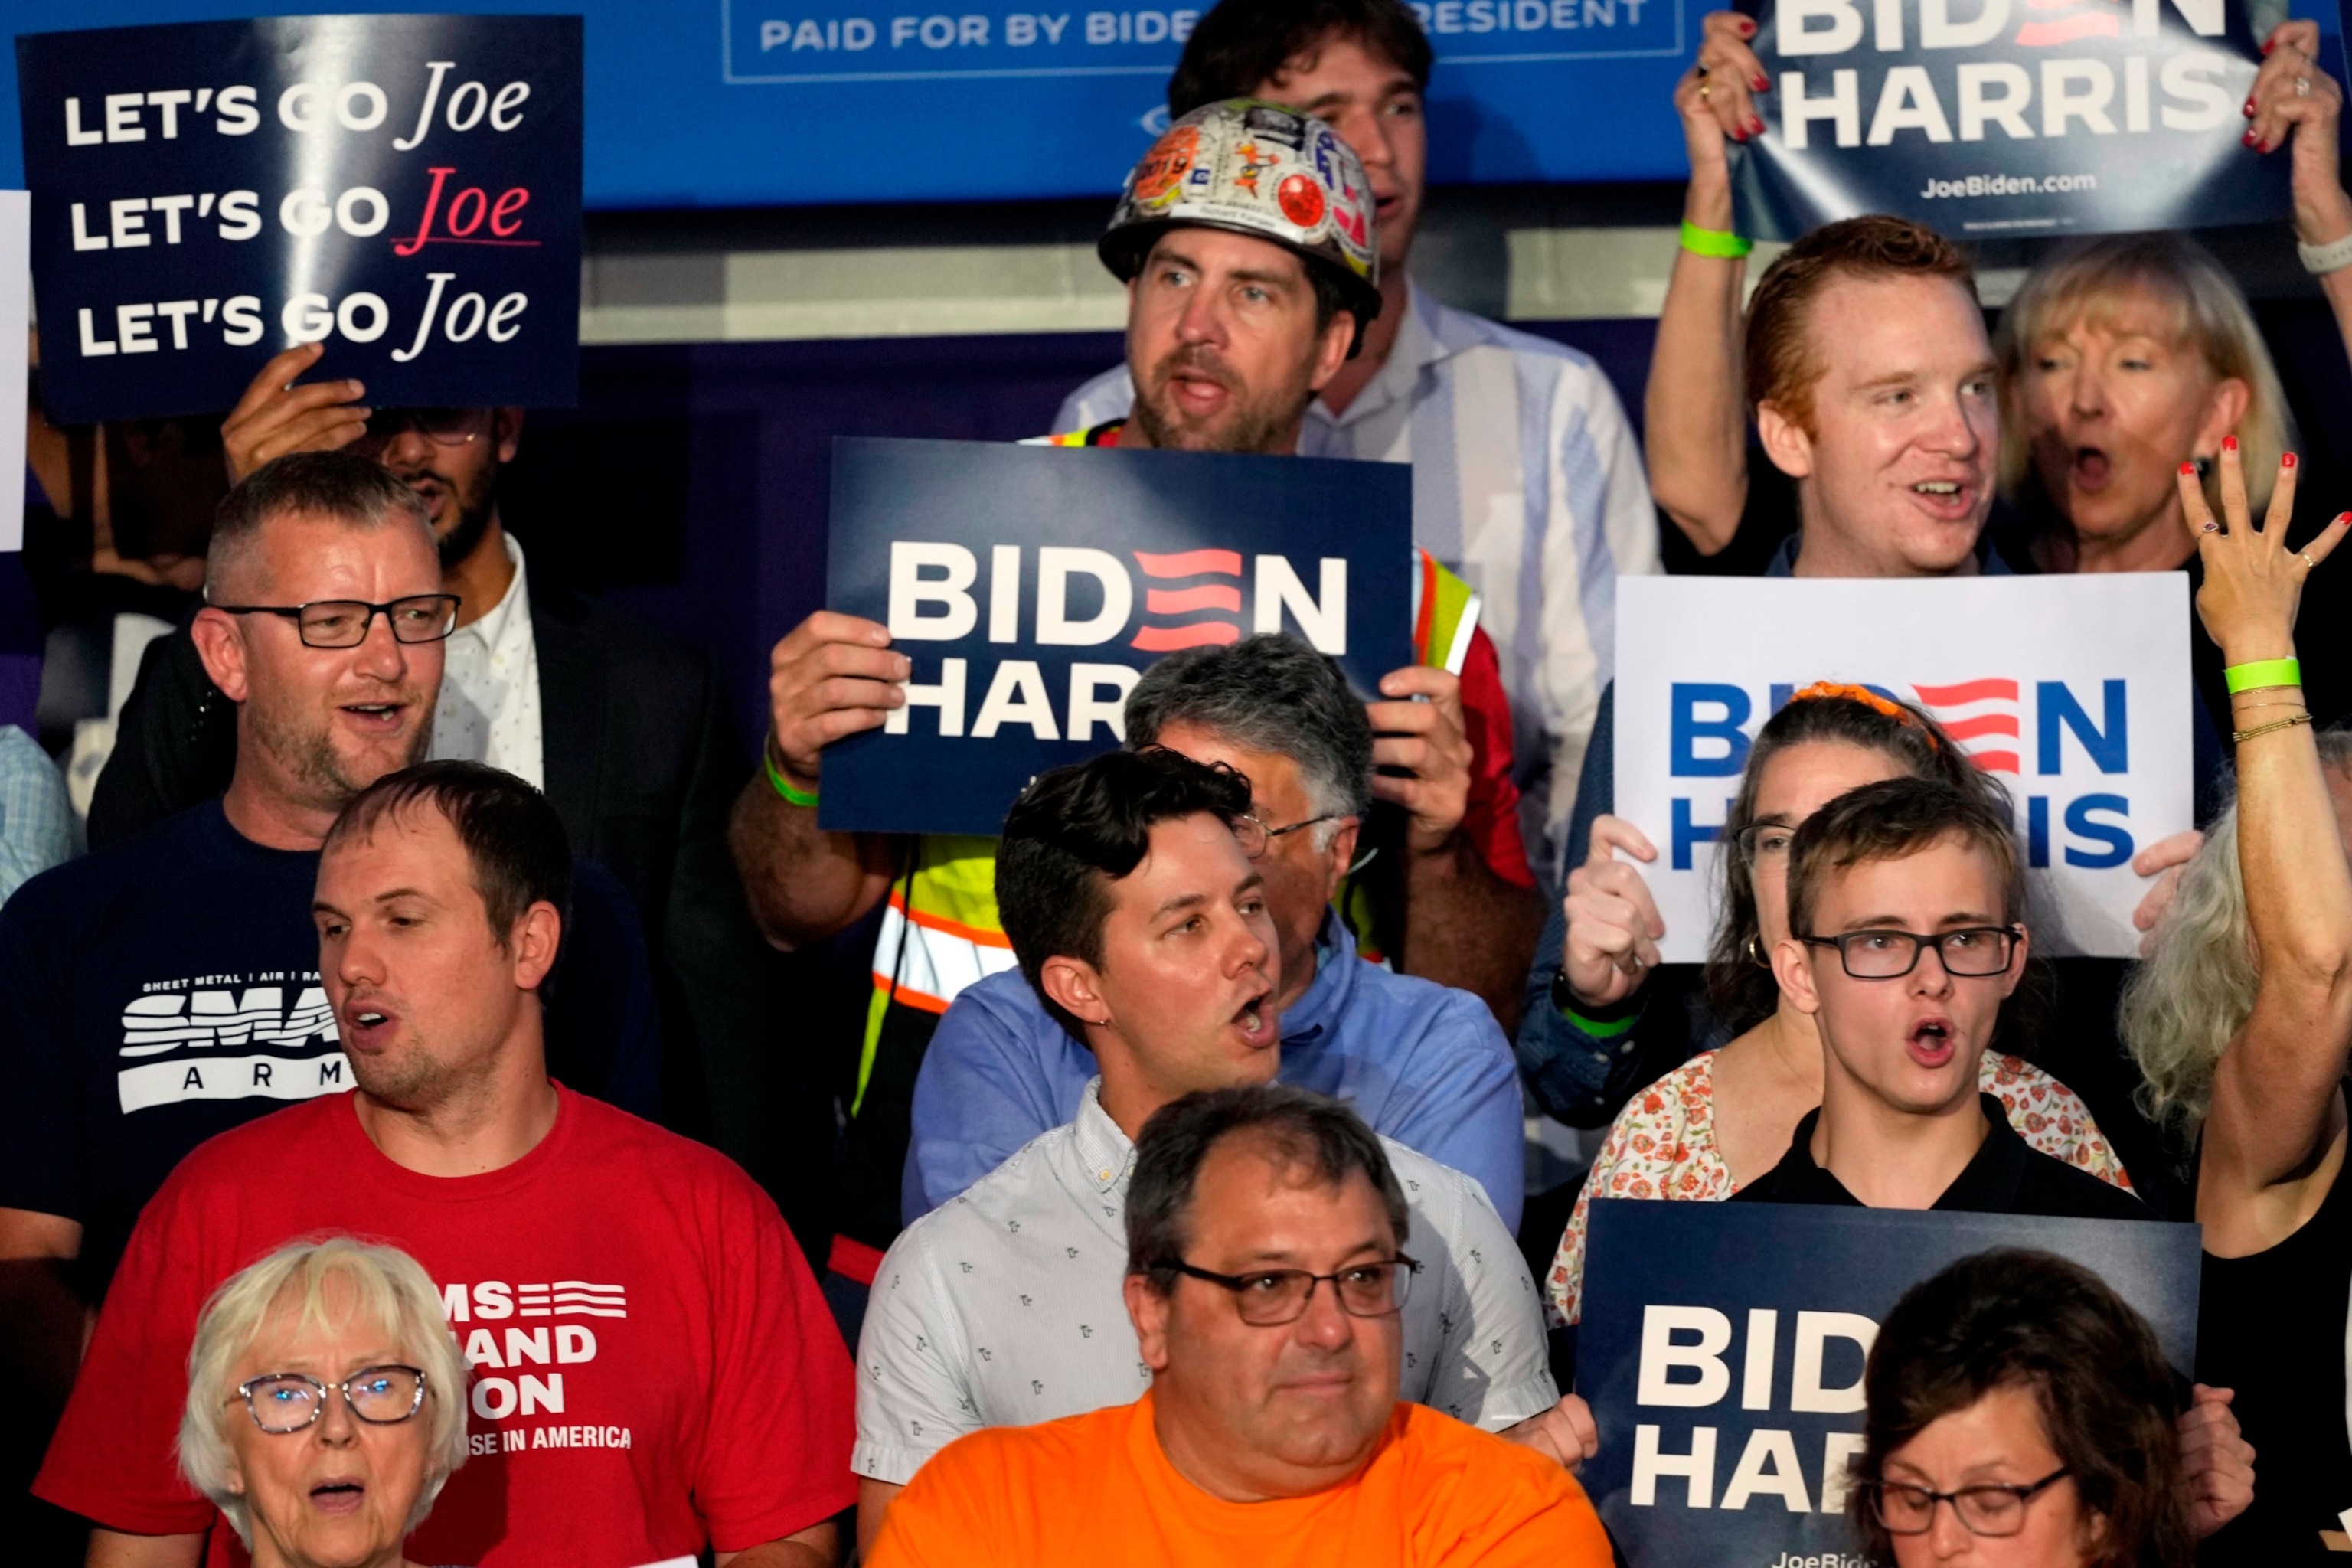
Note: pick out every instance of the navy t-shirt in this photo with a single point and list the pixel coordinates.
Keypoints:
(166, 989)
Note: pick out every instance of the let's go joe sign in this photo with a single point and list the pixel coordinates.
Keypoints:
(2073, 692)
(405, 189)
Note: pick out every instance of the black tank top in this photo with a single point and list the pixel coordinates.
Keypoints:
(2272, 1326)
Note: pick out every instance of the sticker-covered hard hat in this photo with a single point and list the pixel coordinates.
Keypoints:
(1261, 170)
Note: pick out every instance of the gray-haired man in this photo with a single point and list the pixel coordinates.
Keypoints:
(1423, 1064)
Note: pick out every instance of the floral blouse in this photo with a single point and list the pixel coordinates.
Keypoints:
(1662, 1145)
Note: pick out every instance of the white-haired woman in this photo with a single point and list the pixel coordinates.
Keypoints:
(326, 1405)
(2242, 1021)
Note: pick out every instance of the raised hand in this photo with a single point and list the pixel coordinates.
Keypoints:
(275, 416)
(2253, 582)
(1613, 925)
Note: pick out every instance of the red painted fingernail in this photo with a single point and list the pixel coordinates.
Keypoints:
(1740, 133)
(2287, 461)
(1763, 82)
(2249, 110)
(2344, 517)
(1746, 26)
(2268, 46)
(2229, 443)
(1755, 126)
(2249, 139)
(2188, 471)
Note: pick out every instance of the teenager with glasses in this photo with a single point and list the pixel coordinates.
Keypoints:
(1906, 935)
(1275, 1427)
(1149, 936)
(326, 1405)
(1721, 1118)
(2018, 1413)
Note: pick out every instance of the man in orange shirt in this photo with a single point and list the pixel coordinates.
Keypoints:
(1271, 1432)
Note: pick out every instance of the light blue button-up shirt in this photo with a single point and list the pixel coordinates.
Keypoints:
(1423, 1064)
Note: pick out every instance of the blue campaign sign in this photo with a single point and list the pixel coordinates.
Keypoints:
(405, 189)
(754, 102)
(2024, 117)
(1030, 585)
(1722, 1351)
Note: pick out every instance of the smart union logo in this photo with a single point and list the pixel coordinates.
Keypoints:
(2003, 723)
(1072, 596)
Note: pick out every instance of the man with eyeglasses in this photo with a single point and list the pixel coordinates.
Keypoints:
(1272, 1297)
(1906, 919)
(628, 733)
(1424, 1064)
(1137, 915)
(163, 991)
(655, 1373)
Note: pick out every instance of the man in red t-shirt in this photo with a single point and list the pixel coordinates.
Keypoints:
(655, 1370)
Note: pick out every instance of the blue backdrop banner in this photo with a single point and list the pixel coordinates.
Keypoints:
(754, 102)
(1722, 1351)
(2022, 118)
(404, 188)
(1032, 585)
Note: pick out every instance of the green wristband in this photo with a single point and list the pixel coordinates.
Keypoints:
(1596, 1028)
(1713, 242)
(2263, 674)
(804, 798)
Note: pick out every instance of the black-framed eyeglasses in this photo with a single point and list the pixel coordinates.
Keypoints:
(290, 1400)
(442, 426)
(1992, 1510)
(1970, 953)
(1256, 836)
(344, 623)
(1269, 1298)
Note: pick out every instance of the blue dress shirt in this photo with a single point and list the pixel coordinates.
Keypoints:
(1423, 1064)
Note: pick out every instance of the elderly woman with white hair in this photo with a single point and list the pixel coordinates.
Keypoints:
(326, 1405)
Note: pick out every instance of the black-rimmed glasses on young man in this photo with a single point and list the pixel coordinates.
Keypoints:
(1969, 952)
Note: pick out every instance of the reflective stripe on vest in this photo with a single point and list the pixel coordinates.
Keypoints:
(940, 933)
(1444, 615)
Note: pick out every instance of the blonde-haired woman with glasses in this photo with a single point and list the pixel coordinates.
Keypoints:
(326, 1405)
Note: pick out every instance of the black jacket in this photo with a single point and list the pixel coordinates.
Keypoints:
(641, 763)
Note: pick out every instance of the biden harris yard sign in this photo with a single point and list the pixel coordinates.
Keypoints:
(1030, 585)
(1722, 1351)
(403, 189)
(2008, 117)
(2073, 692)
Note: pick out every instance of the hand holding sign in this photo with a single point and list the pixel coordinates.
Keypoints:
(1429, 740)
(1613, 925)
(2217, 1462)
(276, 416)
(834, 675)
(2295, 97)
(1713, 94)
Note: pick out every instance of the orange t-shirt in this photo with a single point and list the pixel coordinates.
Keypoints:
(1095, 1488)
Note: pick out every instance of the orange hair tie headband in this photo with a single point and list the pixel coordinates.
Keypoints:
(1868, 698)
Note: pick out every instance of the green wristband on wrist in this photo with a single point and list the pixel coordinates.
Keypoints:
(804, 798)
(1713, 242)
(2261, 674)
(1596, 1028)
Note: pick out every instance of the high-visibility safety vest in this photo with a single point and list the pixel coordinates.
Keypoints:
(941, 933)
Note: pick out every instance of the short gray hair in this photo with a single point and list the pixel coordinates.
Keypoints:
(389, 1290)
(2195, 989)
(360, 490)
(1269, 693)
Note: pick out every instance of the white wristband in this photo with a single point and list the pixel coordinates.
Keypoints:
(2321, 259)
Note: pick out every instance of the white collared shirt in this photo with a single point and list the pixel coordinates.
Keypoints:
(1527, 481)
(488, 710)
(1006, 1306)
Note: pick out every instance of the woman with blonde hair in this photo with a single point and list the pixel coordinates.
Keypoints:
(326, 1405)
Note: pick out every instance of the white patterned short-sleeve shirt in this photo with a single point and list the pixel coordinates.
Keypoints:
(1006, 1306)
(1662, 1146)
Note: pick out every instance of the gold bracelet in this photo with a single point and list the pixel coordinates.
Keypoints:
(2279, 702)
(2258, 691)
(2241, 737)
